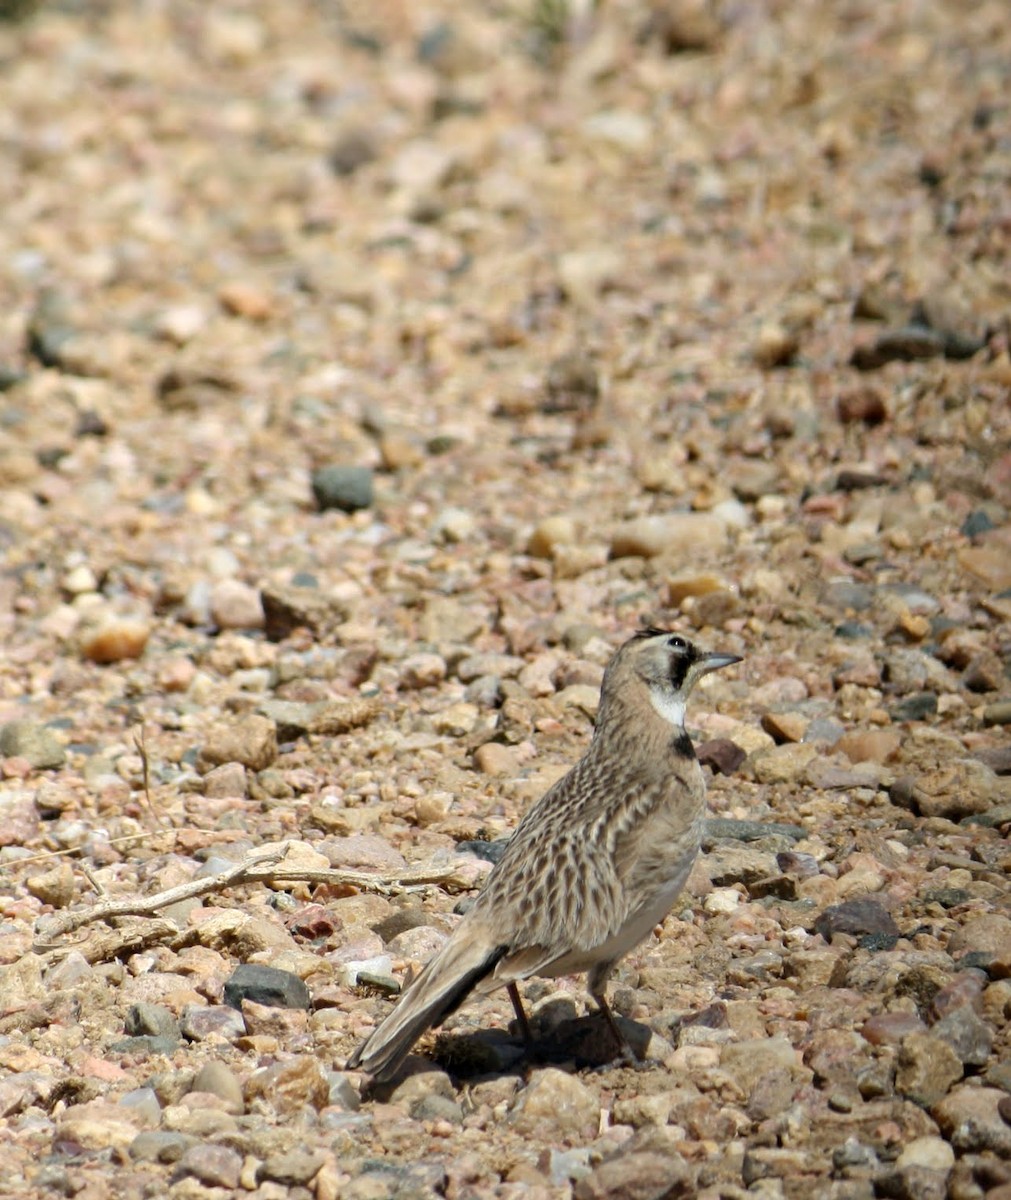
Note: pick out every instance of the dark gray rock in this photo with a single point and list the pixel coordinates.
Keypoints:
(915, 707)
(861, 915)
(909, 343)
(851, 630)
(265, 985)
(748, 831)
(489, 851)
(345, 488)
(975, 523)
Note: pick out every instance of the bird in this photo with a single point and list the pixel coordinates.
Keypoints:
(592, 867)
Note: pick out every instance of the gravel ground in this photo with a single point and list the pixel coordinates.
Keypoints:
(368, 373)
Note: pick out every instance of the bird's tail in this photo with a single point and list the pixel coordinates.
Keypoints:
(437, 992)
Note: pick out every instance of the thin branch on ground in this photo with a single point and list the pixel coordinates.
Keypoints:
(258, 868)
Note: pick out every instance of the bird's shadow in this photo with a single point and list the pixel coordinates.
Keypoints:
(577, 1043)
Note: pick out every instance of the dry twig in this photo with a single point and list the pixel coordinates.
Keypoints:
(258, 868)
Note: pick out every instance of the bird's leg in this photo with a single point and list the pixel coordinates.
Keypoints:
(625, 1051)
(521, 1016)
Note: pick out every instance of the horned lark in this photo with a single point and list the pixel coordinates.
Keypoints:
(594, 865)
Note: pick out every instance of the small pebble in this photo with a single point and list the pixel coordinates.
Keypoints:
(345, 488)
(116, 639)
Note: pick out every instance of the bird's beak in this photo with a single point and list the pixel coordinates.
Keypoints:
(716, 660)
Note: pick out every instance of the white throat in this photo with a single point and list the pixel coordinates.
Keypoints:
(670, 707)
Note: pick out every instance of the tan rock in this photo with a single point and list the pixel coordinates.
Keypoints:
(100, 1125)
(869, 745)
(236, 605)
(694, 583)
(926, 1068)
(55, 887)
(746, 1062)
(496, 760)
(550, 534)
(456, 720)
(251, 741)
(989, 933)
(117, 638)
(432, 808)
(990, 564)
(282, 1023)
(242, 299)
(289, 1086)
(557, 1102)
(399, 449)
(972, 1120)
(782, 764)
(674, 533)
(785, 727)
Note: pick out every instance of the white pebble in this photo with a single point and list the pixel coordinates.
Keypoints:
(722, 900)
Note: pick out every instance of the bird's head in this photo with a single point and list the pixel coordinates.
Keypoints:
(668, 664)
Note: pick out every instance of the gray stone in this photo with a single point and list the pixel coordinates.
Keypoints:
(142, 1103)
(967, 1034)
(437, 1108)
(916, 707)
(342, 1093)
(342, 487)
(161, 1146)
(265, 985)
(861, 915)
(489, 851)
(213, 1166)
(847, 594)
(294, 1169)
(220, 1081)
(748, 831)
(33, 742)
(998, 713)
(151, 1020)
(640, 1175)
(975, 523)
(200, 1021)
(566, 1165)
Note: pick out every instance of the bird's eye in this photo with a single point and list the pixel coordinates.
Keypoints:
(678, 643)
